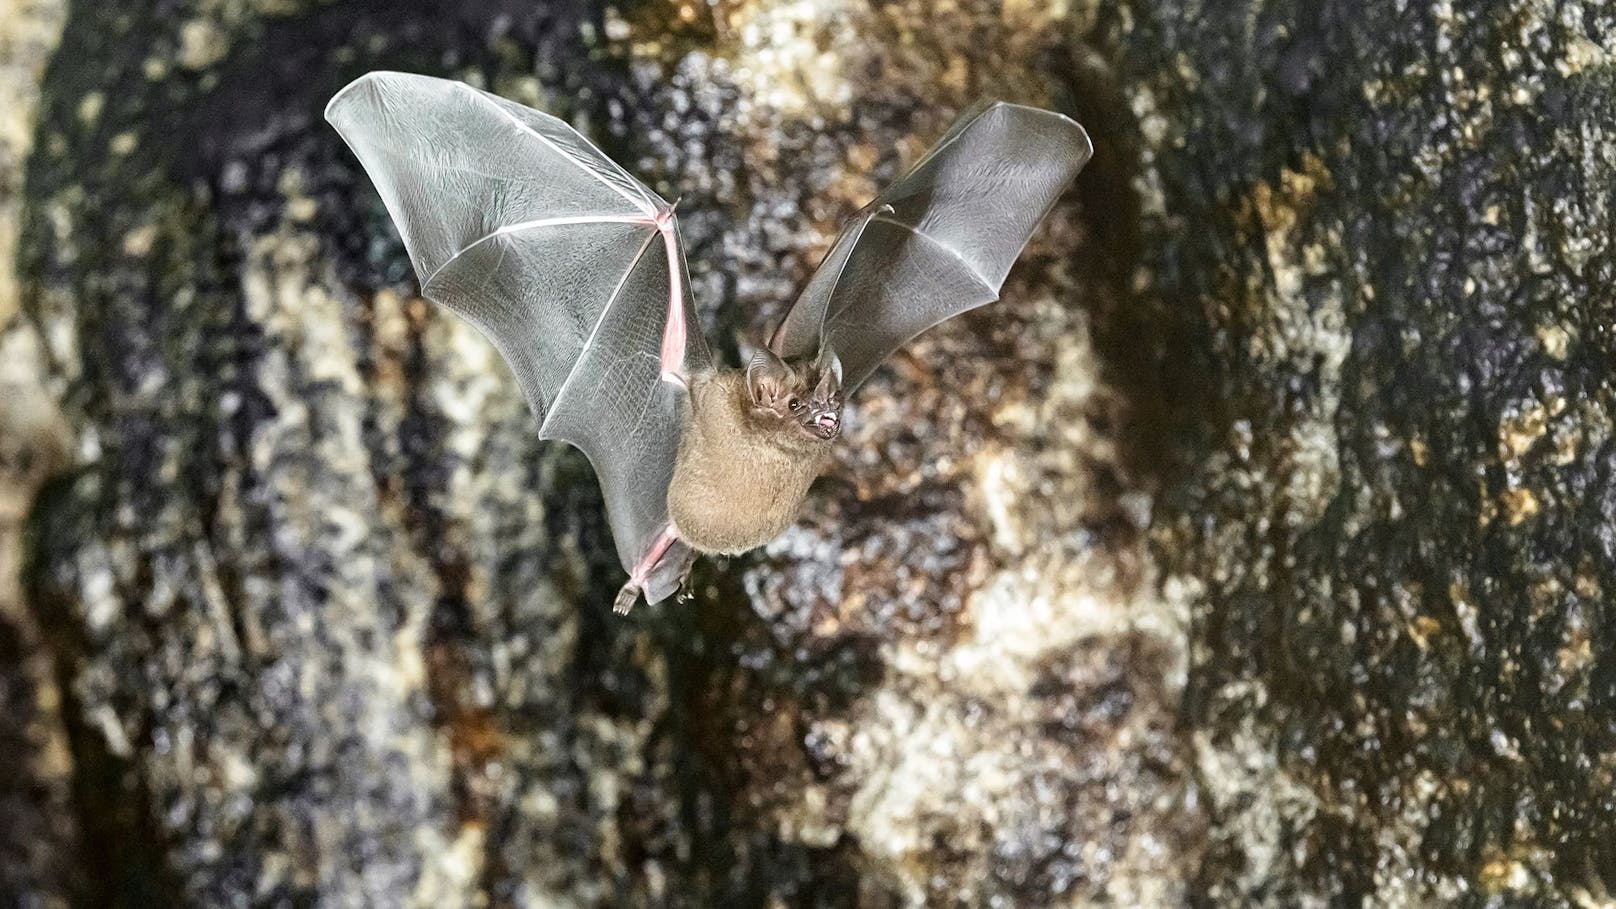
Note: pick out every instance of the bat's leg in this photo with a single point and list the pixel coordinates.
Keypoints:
(675, 333)
(630, 593)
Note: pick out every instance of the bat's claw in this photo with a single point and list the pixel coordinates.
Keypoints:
(626, 598)
(642, 571)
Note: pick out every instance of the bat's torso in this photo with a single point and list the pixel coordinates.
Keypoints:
(736, 486)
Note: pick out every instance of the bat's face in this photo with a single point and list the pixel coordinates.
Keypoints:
(806, 397)
(819, 411)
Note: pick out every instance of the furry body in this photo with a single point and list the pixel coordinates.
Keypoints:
(740, 476)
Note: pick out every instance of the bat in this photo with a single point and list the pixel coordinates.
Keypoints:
(576, 273)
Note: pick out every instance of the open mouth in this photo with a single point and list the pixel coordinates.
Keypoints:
(827, 424)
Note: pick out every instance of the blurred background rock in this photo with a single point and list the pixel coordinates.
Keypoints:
(1255, 549)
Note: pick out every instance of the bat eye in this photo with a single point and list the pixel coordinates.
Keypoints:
(795, 404)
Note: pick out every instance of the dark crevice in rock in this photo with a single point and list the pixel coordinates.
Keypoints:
(119, 858)
(731, 723)
(39, 834)
(1155, 347)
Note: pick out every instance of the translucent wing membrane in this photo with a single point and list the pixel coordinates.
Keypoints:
(518, 224)
(940, 240)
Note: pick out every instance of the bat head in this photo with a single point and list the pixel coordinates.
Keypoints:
(804, 397)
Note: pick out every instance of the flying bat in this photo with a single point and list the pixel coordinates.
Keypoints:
(575, 271)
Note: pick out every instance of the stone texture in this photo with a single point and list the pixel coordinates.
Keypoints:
(1390, 224)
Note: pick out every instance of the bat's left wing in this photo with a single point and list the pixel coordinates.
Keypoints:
(940, 240)
(568, 264)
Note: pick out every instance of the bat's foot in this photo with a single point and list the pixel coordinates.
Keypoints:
(641, 574)
(626, 598)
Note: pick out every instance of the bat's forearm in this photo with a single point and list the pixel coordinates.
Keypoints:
(675, 334)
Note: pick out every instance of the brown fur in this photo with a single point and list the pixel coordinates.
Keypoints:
(740, 476)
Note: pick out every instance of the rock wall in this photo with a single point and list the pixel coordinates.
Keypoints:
(1391, 223)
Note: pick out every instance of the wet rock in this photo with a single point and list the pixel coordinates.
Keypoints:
(1398, 254)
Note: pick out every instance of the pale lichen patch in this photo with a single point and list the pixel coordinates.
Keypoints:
(791, 55)
(1243, 780)
(1521, 429)
(202, 43)
(1519, 505)
(90, 107)
(1556, 340)
(138, 242)
(1580, 54)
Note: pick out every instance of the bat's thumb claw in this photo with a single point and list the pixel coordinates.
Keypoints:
(626, 598)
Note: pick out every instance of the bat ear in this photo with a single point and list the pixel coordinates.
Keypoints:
(829, 367)
(766, 377)
(828, 362)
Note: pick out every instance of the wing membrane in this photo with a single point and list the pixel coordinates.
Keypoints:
(518, 224)
(957, 222)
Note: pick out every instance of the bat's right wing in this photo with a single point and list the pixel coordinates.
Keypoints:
(939, 241)
(569, 265)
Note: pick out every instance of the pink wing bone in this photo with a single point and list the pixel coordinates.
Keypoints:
(518, 224)
(675, 333)
(664, 556)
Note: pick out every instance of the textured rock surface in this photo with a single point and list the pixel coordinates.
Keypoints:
(1252, 550)
(1394, 228)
